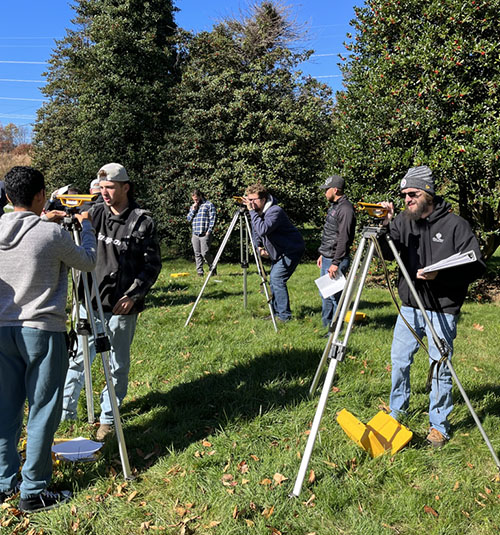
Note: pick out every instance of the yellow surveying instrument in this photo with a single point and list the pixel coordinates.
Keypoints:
(77, 200)
(374, 210)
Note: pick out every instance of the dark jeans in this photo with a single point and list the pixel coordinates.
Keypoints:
(329, 305)
(281, 271)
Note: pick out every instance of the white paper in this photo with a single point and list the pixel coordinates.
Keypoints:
(454, 260)
(76, 449)
(328, 286)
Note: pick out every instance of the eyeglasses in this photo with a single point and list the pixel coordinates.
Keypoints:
(411, 194)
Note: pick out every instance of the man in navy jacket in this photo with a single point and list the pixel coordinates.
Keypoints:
(278, 239)
(426, 232)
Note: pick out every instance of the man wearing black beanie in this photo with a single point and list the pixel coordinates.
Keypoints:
(426, 232)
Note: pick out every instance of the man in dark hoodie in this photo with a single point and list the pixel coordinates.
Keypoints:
(128, 264)
(277, 239)
(426, 232)
(35, 255)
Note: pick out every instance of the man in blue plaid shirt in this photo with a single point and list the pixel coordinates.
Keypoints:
(202, 215)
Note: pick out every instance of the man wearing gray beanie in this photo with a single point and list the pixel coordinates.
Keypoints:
(426, 232)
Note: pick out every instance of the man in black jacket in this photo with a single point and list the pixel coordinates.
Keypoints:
(336, 241)
(128, 264)
(426, 232)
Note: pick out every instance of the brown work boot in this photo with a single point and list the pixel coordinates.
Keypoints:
(436, 439)
(103, 431)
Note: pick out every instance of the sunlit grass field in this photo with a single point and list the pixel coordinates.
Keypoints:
(217, 417)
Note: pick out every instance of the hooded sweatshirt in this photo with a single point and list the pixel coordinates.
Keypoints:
(426, 241)
(275, 232)
(34, 260)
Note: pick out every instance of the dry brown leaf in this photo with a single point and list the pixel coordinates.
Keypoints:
(478, 327)
(457, 484)
(75, 525)
(430, 511)
(479, 503)
(214, 523)
(312, 477)
(245, 481)
(465, 513)
(487, 490)
(249, 522)
(279, 478)
(333, 465)
(243, 467)
(268, 512)
(235, 512)
(206, 444)
(274, 531)
(254, 457)
(265, 481)
(132, 495)
(310, 500)
(335, 389)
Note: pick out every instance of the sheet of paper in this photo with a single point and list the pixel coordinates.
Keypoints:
(328, 286)
(76, 449)
(457, 259)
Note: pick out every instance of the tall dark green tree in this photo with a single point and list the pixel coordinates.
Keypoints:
(422, 82)
(243, 112)
(107, 87)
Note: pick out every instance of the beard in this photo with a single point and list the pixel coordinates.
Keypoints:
(422, 206)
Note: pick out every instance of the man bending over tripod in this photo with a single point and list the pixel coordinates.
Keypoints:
(424, 233)
(34, 257)
(128, 264)
(277, 239)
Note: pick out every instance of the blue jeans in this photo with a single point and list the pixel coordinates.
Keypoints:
(329, 305)
(404, 347)
(281, 271)
(121, 329)
(33, 365)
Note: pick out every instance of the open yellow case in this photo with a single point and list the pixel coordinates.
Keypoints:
(382, 433)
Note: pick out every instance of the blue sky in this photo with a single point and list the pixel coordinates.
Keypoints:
(28, 29)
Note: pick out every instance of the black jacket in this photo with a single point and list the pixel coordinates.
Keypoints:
(338, 232)
(426, 241)
(128, 254)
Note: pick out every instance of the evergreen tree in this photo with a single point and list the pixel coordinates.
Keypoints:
(107, 86)
(422, 80)
(243, 113)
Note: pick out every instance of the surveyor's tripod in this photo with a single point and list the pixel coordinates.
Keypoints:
(86, 327)
(335, 349)
(241, 216)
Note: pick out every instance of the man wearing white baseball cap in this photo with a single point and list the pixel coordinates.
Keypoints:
(128, 264)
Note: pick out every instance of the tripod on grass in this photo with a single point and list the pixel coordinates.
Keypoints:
(335, 349)
(87, 327)
(241, 216)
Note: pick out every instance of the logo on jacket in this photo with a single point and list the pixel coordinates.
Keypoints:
(438, 238)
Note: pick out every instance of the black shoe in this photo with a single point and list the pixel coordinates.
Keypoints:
(43, 502)
(6, 495)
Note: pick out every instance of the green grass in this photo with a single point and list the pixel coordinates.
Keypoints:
(217, 415)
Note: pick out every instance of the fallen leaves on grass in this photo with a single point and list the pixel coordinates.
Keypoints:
(430, 511)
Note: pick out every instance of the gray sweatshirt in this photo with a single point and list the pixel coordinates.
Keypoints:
(34, 260)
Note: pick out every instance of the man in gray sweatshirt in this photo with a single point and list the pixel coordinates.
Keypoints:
(35, 254)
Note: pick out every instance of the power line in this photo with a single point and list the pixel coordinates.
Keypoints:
(24, 62)
(28, 81)
(28, 99)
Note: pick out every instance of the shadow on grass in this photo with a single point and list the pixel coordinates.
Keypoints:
(174, 295)
(193, 410)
